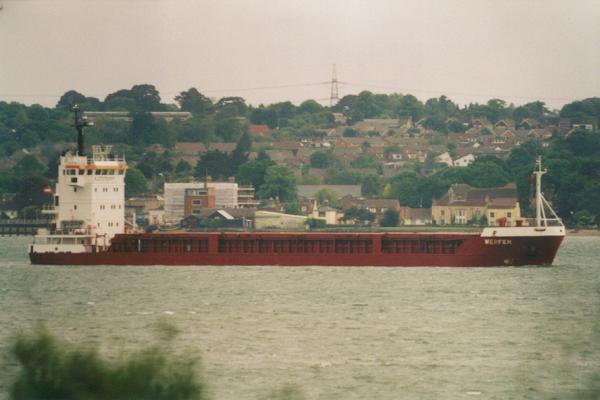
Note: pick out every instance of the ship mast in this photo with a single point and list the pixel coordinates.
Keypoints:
(540, 201)
(79, 123)
(540, 215)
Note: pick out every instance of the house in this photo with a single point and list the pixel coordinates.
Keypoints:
(139, 210)
(189, 148)
(503, 212)
(505, 124)
(259, 130)
(196, 199)
(330, 215)
(379, 125)
(309, 191)
(464, 204)
(415, 216)
(126, 115)
(445, 158)
(585, 127)
(464, 161)
(529, 123)
(481, 122)
(379, 206)
(222, 147)
(219, 218)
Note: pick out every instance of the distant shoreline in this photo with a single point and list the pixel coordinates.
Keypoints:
(583, 232)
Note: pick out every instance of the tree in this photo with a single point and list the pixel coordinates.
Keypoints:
(253, 172)
(360, 215)
(349, 132)
(310, 107)
(240, 153)
(144, 129)
(70, 98)
(229, 129)
(232, 106)
(370, 186)
(195, 102)
(536, 109)
(322, 159)
(327, 196)
(135, 183)
(146, 97)
(73, 97)
(390, 218)
(29, 191)
(279, 183)
(183, 167)
(213, 163)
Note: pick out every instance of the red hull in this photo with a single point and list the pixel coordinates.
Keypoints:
(319, 249)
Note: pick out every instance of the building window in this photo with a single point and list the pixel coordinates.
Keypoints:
(81, 172)
(74, 188)
(75, 207)
(509, 214)
(442, 212)
(491, 215)
(89, 171)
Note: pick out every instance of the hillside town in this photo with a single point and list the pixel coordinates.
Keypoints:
(370, 160)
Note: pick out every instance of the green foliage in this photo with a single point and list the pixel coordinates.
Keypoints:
(435, 123)
(193, 101)
(327, 196)
(390, 218)
(365, 161)
(315, 223)
(414, 190)
(349, 132)
(584, 111)
(360, 215)
(253, 172)
(213, 163)
(135, 183)
(370, 185)
(292, 207)
(279, 183)
(50, 369)
(536, 109)
(456, 126)
(323, 159)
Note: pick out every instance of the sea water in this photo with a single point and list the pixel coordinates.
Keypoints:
(331, 333)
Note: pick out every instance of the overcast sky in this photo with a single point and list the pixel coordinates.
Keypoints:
(518, 50)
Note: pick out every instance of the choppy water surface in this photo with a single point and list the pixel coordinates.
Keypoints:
(334, 333)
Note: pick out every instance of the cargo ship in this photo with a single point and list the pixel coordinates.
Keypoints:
(89, 228)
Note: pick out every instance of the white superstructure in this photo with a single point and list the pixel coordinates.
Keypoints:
(89, 203)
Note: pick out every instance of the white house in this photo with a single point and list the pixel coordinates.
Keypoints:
(444, 158)
(464, 161)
